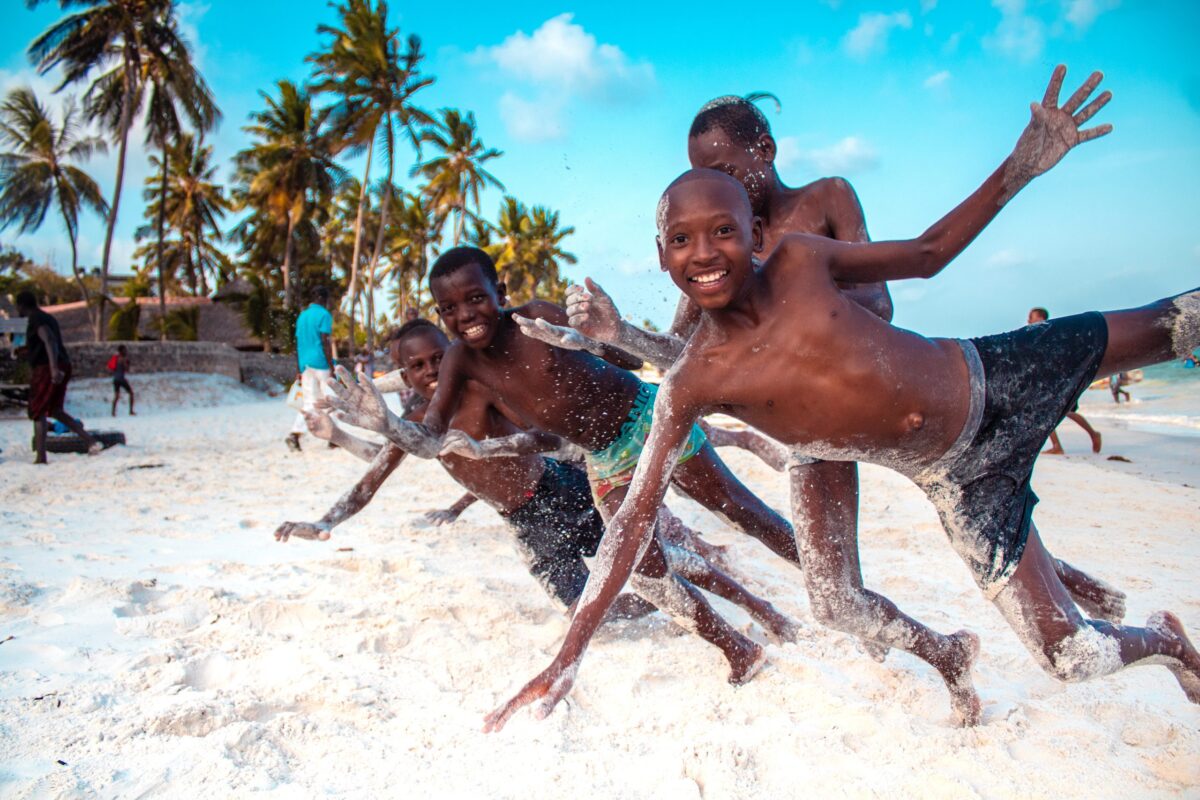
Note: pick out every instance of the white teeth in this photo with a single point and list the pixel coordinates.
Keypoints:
(474, 330)
(709, 277)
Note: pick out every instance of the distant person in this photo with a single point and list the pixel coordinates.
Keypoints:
(1038, 314)
(1115, 382)
(314, 357)
(119, 366)
(51, 372)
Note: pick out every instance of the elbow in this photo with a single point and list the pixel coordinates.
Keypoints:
(931, 257)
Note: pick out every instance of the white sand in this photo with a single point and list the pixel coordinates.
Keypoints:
(164, 644)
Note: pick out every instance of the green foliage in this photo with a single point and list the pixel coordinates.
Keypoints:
(182, 324)
(123, 324)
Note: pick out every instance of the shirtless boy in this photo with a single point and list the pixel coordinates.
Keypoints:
(546, 502)
(731, 134)
(782, 349)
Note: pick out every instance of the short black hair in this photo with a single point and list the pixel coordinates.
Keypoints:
(456, 258)
(1039, 310)
(319, 294)
(738, 117)
(121, 349)
(413, 327)
(26, 299)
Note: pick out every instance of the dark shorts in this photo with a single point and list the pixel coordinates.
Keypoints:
(45, 396)
(1031, 378)
(121, 383)
(557, 527)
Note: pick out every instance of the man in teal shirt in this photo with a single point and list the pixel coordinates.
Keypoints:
(313, 357)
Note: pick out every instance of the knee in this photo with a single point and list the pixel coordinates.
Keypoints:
(1087, 653)
(841, 608)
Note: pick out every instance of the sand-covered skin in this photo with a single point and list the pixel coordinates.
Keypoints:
(165, 644)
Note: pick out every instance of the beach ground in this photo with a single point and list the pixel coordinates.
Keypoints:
(157, 641)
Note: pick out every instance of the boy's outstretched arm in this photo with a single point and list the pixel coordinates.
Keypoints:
(444, 516)
(545, 316)
(353, 501)
(322, 426)
(1051, 133)
(593, 313)
(620, 551)
(525, 443)
(360, 404)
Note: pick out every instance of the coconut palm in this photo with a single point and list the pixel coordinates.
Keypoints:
(546, 239)
(455, 177)
(128, 42)
(289, 170)
(38, 170)
(364, 67)
(413, 234)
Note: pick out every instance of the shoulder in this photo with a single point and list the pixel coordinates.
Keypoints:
(796, 250)
(833, 189)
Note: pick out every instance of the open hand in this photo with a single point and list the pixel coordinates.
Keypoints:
(554, 335)
(457, 443)
(592, 312)
(301, 530)
(320, 424)
(442, 516)
(547, 688)
(357, 400)
(1054, 130)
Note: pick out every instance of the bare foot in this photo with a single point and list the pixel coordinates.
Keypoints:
(745, 663)
(1186, 667)
(779, 628)
(878, 651)
(1096, 442)
(1054, 451)
(956, 671)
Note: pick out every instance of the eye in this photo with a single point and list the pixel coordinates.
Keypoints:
(724, 230)
(679, 239)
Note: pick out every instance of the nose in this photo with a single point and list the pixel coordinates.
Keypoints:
(703, 250)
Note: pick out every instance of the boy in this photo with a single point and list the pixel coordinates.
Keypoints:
(50, 374)
(546, 502)
(780, 348)
(314, 354)
(1038, 314)
(120, 367)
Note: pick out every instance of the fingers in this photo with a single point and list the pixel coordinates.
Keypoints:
(1095, 133)
(281, 533)
(546, 707)
(1050, 100)
(595, 289)
(1083, 92)
(1090, 110)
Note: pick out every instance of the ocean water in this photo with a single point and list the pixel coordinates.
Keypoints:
(1165, 401)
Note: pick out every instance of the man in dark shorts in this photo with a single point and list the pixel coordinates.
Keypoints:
(120, 366)
(51, 371)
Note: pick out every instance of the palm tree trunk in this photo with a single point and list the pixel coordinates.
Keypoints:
(288, 288)
(126, 123)
(87, 299)
(383, 212)
(358, 221)
(196, 234)
(162, 283)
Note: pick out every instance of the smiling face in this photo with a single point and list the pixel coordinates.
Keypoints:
(708, 237)
(419, 355)
(469, 304)
(752, 165)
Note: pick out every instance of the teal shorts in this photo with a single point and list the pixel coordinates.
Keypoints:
(613, 466)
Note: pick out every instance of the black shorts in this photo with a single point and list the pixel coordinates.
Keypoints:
(1031, 378)
(121, 383)
(557, 527)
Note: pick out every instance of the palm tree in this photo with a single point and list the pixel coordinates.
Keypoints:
(39, 170)
(415, 231)
(547, 238)
(457, 174)
(125, 40)
(288, 170)
(511, 250)
(364, 67)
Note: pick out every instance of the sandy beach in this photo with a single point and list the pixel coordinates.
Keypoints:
(158, 642)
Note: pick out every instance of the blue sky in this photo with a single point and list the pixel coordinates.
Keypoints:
(914, 102)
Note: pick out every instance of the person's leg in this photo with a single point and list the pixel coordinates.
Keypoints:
(1056, 448)
(116, 397)
(1158, 332)
(1078, 419)
(75, 425)
(129, 390)
(826, 525)
(672, 531)
(772, 453)
(39, 440)
(653, 580)
(1073, 648)
(1095, 597)
(706, 479)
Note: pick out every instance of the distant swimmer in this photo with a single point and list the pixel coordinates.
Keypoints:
(1036, 315)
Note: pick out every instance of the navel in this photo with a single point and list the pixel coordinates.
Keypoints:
(915, 421)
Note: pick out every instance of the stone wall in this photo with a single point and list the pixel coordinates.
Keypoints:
(90, 359)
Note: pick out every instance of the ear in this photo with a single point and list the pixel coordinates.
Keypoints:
(766, 148)
(662, 262)
(404, 377)
(502, 293)
(756, 235)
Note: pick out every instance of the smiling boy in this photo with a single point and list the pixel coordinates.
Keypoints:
(781, 348)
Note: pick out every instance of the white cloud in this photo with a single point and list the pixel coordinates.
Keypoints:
(928, 5)
(937, 79)
(871, 34)
(1082, 13)
(1018, 35)
(562, 54)
(532, 120)
(1007, 258)
(189, 16)
(848, 156)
